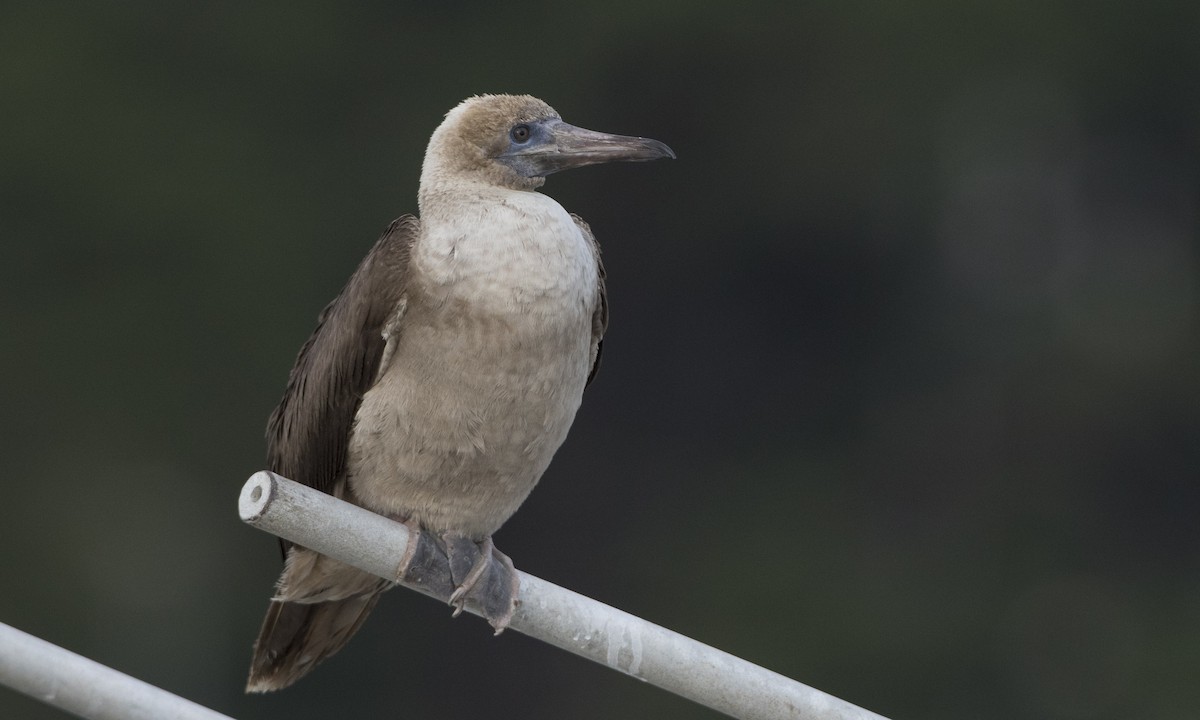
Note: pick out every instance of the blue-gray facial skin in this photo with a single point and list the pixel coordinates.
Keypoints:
(542, 147)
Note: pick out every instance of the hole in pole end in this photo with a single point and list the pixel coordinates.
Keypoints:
(255, 496)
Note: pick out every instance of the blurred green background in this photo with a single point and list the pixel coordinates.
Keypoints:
(900, 398)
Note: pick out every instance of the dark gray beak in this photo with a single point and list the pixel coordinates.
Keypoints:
(558, 146)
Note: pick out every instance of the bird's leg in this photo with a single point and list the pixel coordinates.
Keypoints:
(459, 570)
(482, 574)
(426, 564)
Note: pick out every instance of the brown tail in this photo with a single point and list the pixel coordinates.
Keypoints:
(295, 637)
(318, 606)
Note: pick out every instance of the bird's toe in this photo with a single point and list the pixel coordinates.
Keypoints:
(484, 577)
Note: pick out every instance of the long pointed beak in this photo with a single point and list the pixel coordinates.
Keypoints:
(570, 147)
(577, 147)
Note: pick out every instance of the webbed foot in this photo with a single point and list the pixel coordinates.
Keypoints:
(463, 572)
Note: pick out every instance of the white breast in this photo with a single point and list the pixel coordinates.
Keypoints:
(487, 368)
(507, 249)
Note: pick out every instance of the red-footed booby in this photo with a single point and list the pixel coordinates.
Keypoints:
(438, 385)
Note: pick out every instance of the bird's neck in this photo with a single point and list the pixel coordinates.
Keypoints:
(443, 200)
(443, 182)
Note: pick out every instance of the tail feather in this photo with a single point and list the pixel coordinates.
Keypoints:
(295, 637)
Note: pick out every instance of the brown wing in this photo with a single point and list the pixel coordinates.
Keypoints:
(600, 317)
(309, 432)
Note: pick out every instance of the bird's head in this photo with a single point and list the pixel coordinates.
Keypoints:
(515, 141)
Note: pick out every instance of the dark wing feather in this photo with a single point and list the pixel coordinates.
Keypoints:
(309, 432)
(600, 317)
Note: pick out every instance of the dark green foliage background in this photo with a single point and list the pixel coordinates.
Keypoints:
(901, 395)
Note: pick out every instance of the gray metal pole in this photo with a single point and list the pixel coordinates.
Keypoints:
(80, 686)
(550, 613)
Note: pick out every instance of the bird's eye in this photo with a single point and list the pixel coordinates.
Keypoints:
(520, 134)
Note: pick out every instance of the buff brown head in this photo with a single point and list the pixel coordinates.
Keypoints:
(515, 141)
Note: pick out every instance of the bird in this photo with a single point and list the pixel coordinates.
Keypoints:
(442, 379)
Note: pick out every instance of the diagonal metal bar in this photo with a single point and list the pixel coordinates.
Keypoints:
(551, 613)
(83, 687)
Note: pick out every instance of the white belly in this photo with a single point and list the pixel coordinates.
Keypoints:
(485, 373)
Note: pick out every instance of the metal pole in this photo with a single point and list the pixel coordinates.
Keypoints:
(70, 682)
(550, 613)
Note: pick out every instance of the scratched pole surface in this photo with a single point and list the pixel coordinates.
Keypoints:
(550, 613)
